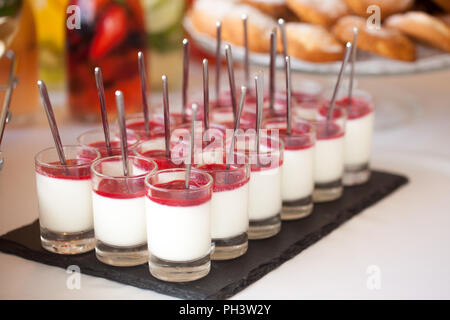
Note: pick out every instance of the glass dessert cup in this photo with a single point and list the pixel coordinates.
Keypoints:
(329, 155)
(297, 184)
(179, 224)
(224, 116)
(136, 123)
(265, 201)
(119, 210)
(155, 149)
(178, 116)
(96, 139)
(229, 204)
(204, 140)
(358, 137)
(65, 199)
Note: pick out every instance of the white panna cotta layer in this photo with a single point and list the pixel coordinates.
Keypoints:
(119, 222)
(180, 233)
(229, 212)
(358, 139)
(65, 205)
(298, 174)
(265, 193)
(329, 160)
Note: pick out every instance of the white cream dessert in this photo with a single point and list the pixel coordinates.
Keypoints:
(298, 174)
(358, 132)
(329, 153)
(229, 202)
(297, 181)
(119, 218)
(265, 199)
(65, 202)
(118, 202)
(178, 230)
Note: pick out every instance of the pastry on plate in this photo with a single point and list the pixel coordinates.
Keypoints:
(385, 42)
(323, 12)
(274, 8)
(423, 27)
(205, 13)
(311, 43)
(259, 26)
(387, 7)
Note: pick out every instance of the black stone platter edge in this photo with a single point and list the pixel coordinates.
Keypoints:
(226, 277)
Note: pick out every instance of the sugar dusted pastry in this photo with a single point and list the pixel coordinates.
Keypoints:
(387, 7)
(205, 13)
(312, 43)
(323, 12)
(259, 26)
(423, 27)
(274, 8)
(385, 42)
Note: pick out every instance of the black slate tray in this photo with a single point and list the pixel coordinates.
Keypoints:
(228, 277)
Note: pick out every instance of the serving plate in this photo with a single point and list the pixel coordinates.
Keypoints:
(428, 59)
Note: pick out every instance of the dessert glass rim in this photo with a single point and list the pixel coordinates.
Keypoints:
(240, 166)
(295, 120)
(49, 165)
(100, 131)
(205, 186)
(130, 177)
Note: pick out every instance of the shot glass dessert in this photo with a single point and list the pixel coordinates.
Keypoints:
(329, 155)
(297, 183)
(119, 210)
(265, 200)
(65, 199)
(229, 205)
(178, 116)
(179, 224)
(136, 124)
(96, 139)
(358, 137)
(224, 116)
(154, 149)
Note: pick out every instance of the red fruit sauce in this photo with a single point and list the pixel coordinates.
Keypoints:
(156, 128)
(236, 179)
(357, 109)
(100, 146)
(159, 156)
(299, 140)
(76, 169)
(119, 189)
(328, 130)
(180, 199)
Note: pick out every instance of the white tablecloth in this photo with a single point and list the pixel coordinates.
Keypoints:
(403, 241)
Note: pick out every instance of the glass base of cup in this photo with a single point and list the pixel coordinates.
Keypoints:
(262, 229)
(230, 248)
(121, 256)
(356, 175)
(294, 210)
(67, 243)
(172, 271)
(326, 192)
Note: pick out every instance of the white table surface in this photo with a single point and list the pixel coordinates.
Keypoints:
(406, 236)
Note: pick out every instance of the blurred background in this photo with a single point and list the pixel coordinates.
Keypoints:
(50, 45)
(60, 45)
